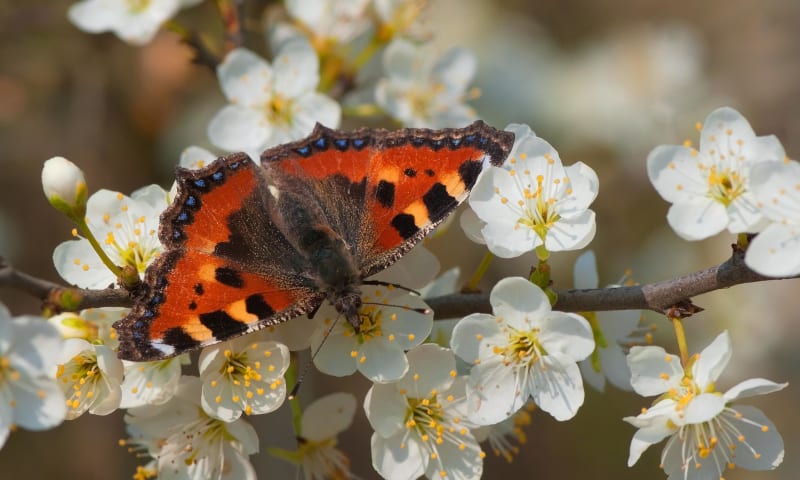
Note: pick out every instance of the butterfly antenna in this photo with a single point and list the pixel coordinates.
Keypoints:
(389, 284)
(423, 311)
(307, 366)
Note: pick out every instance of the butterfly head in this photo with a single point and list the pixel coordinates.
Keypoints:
(347, 303)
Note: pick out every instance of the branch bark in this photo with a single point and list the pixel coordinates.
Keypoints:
(658, 297)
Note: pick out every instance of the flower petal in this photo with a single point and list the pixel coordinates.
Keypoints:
(382, 361)
(557, 387)
(762, 448)
(752, 387)
(653, 371)
(246, 79)
(236, 128)
(430, 367)
(697, 218)
(470, 332)
(328, 416)
(712, 361)
(396, 459)
(585, 271)
(566, 334)
(495, 392)
(385, 409)
(703, 408)
(515, 297)
(775, 252)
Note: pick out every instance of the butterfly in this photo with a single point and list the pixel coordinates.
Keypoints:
(249, 246)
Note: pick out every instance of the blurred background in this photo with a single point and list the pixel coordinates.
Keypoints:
(603, 81)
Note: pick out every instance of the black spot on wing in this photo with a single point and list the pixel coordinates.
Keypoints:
(222, 325)
(229, 277)
(410, 172)
(192, 305)
(198, 288)
(438, 202)
(178, 338)
(258, 306)
(384, 193)
(404, 224)
(469, 171)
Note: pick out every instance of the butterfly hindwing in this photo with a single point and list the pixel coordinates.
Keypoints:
(227, 271)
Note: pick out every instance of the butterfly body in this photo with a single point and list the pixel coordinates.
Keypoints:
(249, 246)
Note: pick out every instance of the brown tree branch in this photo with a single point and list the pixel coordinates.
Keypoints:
(658, 297)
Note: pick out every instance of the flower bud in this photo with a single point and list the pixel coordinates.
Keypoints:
(72, 325)
(65, 187)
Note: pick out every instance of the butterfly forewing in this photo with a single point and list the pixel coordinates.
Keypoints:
(227, 271)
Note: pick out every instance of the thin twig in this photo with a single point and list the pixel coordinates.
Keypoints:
(231, 13)
(658, 297)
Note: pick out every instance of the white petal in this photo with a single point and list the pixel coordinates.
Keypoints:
(401, 61)
(93, 16)
(712, 361)
(37, 345)
(313, 108)
(396, 459)
(383, 362)
(573, 233)
(78, 263)
(459, 461)
(195, 157)
(673, 171)
(334, 357)
(642, 440)
(296, 334)
(430, 367)
(386, 410)
(514, 297)
(245, 78)
(585, 185)
(703, 408)
(595, 379)
(648, 364)
(236, 128)
(745, 215)
(505, 241)
(761, 437)
(752, 387)
(566, 334)
(455, 69)
(415, 270)
(556, 386)
(40, 404)
(328, 416)
(470, 332)
(614, 365)
(296, 68)
(719, 123)
(775, 252)
(774, 186)
(495, 392)
(697, 218)
(585, 271)
(472, 226)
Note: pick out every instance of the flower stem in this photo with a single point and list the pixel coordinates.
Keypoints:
(476, 277)
(294, 402)
(88, 235)
(680, 336)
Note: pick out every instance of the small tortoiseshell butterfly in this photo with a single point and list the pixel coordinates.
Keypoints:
(249, 247)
